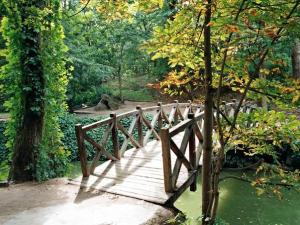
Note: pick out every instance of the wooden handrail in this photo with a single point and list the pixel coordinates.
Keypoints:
(168, 121)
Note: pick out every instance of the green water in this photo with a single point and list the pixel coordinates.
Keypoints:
(239, 205)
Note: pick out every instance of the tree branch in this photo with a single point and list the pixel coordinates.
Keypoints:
(82, 9)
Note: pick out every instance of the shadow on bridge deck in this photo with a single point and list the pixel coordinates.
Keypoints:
(139, 174)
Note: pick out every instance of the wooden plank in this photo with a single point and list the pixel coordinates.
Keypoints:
(100, 152)
(157, 197)
(181, 189)
(127, 114)
(150, 127)
(99, 147)
(150, 131)
(140, 179)
(180, 155)
(128, 135)
(126, 141)
(180, 127)
(97, 124)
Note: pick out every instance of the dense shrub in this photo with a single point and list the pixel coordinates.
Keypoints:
(3, 149)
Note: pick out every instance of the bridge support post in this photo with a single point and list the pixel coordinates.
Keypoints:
(114, 136)
(166, 155)
(81, 150)
(192, 153)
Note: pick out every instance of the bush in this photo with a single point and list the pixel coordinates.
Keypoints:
(90, 96)
(3, 139)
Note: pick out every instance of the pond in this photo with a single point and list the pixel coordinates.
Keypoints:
(240, 205)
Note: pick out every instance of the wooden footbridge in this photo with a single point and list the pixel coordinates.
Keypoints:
(158, 157)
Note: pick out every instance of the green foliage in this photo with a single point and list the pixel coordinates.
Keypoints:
(266, 132)
(3, 140)
(2, 58)
(244, 38)
(67, 124)
(102, 50)
(219, 221)
(45, 20)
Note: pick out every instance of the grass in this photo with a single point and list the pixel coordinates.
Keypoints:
(133, 89)
(4, 173)
(143, 95)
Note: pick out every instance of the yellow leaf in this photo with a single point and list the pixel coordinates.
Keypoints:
(260, 191)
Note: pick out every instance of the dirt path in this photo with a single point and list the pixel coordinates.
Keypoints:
(56, 202)
(127, 106)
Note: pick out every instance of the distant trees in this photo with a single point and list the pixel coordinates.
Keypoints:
(104, 48)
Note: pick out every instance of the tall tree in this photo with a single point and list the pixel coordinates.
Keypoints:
(208, 117)
(36, 83)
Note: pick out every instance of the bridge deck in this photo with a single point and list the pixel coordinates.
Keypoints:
(139, 174)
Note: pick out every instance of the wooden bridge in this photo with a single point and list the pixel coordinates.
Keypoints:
(158, 157)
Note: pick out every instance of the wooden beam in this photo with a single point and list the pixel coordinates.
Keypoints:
(81, 150)
(166, 155)
(114, 136)
(140, 125)
(192, 153)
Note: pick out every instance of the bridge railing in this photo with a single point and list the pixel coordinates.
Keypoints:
(192, 128)
(167, 122)
(145, 127)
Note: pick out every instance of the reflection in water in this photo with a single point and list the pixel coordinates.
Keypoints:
(239, 205)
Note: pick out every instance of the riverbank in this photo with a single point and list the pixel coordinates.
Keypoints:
(58, 202)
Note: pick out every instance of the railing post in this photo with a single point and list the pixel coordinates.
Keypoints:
(192, 153)
(159, 121)
(190, 106)
(81, 150)
(166, 155)
(176, 112)
(114, 136)
(139, 125)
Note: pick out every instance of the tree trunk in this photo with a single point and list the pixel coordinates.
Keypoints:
(208, 119)
(296, 60)
(29, 131)
(120, 84)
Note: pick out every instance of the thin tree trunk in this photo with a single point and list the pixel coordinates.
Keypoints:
(120, 83)
(29, 132)
(208, 119)
(296, 60)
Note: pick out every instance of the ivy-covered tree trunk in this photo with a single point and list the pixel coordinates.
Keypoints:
(29, 133)
(36, 84)
(208, 120)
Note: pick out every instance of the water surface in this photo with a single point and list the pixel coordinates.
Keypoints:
(240, 205)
